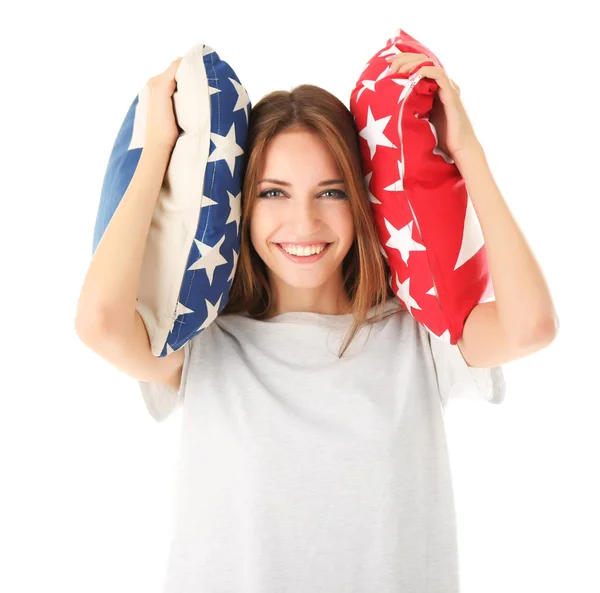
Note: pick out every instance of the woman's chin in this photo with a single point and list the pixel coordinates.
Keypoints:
(310, 279)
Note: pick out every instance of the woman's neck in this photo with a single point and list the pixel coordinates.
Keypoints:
(287, 299)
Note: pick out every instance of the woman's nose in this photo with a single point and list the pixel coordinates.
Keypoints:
(305, 218)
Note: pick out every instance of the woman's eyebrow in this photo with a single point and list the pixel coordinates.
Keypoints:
(279, 182)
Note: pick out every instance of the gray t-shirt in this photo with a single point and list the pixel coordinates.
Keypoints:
(303, 472)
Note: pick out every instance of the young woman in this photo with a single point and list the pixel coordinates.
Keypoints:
(313, 452)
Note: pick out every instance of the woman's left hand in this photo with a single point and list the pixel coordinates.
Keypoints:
(448, 115)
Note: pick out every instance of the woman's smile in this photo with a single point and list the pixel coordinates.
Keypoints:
(303, 254)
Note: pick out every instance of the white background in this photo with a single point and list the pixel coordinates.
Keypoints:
(87, 474)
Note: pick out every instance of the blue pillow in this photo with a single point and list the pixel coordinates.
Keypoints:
(193, 243)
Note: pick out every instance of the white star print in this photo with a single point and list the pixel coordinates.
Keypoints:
(373, 132)
(211, 312)
(226, 148)
(401, 239)
(212, 90)
(404, 294)
(383, 252)
(370, 84)
(390, 51)
(371, 197)
(242, 100)
(181, 309)
(206, 202)
(437, 150)
(235, 259)
(395, 37)
(406, 83)
(210, 258)
(472, 239)
(397, 185)
(366, 84)
(235, 210)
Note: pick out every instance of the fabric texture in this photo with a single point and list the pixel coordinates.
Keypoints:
(302, 471)
(193, 242)
(428, 229)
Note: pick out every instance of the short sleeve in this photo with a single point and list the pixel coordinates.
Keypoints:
(456, 379)
(161, 400)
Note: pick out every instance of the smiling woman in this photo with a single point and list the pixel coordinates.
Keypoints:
(313, 449)
(314, 400)
(308, 240)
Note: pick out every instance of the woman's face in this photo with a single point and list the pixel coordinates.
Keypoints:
(303, 208)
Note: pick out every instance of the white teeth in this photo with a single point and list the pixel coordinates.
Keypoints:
(304, 251)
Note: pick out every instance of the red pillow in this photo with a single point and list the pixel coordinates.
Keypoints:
(427, 226)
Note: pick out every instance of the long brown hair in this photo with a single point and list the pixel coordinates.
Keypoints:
(365, 271)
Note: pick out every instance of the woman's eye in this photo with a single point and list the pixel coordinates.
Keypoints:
(268, 191)
(339, 192)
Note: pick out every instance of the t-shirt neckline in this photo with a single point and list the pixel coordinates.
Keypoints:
(343, 319)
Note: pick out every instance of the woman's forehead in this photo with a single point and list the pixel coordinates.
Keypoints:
(298, 154)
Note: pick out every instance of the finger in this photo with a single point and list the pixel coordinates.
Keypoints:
(405, 67)
(403, 56)
(437, 74)
(173, 66)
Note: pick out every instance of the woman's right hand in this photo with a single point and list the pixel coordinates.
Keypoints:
(161, 126)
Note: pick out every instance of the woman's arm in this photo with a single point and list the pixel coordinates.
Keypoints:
(107, 303)
(525, 310)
